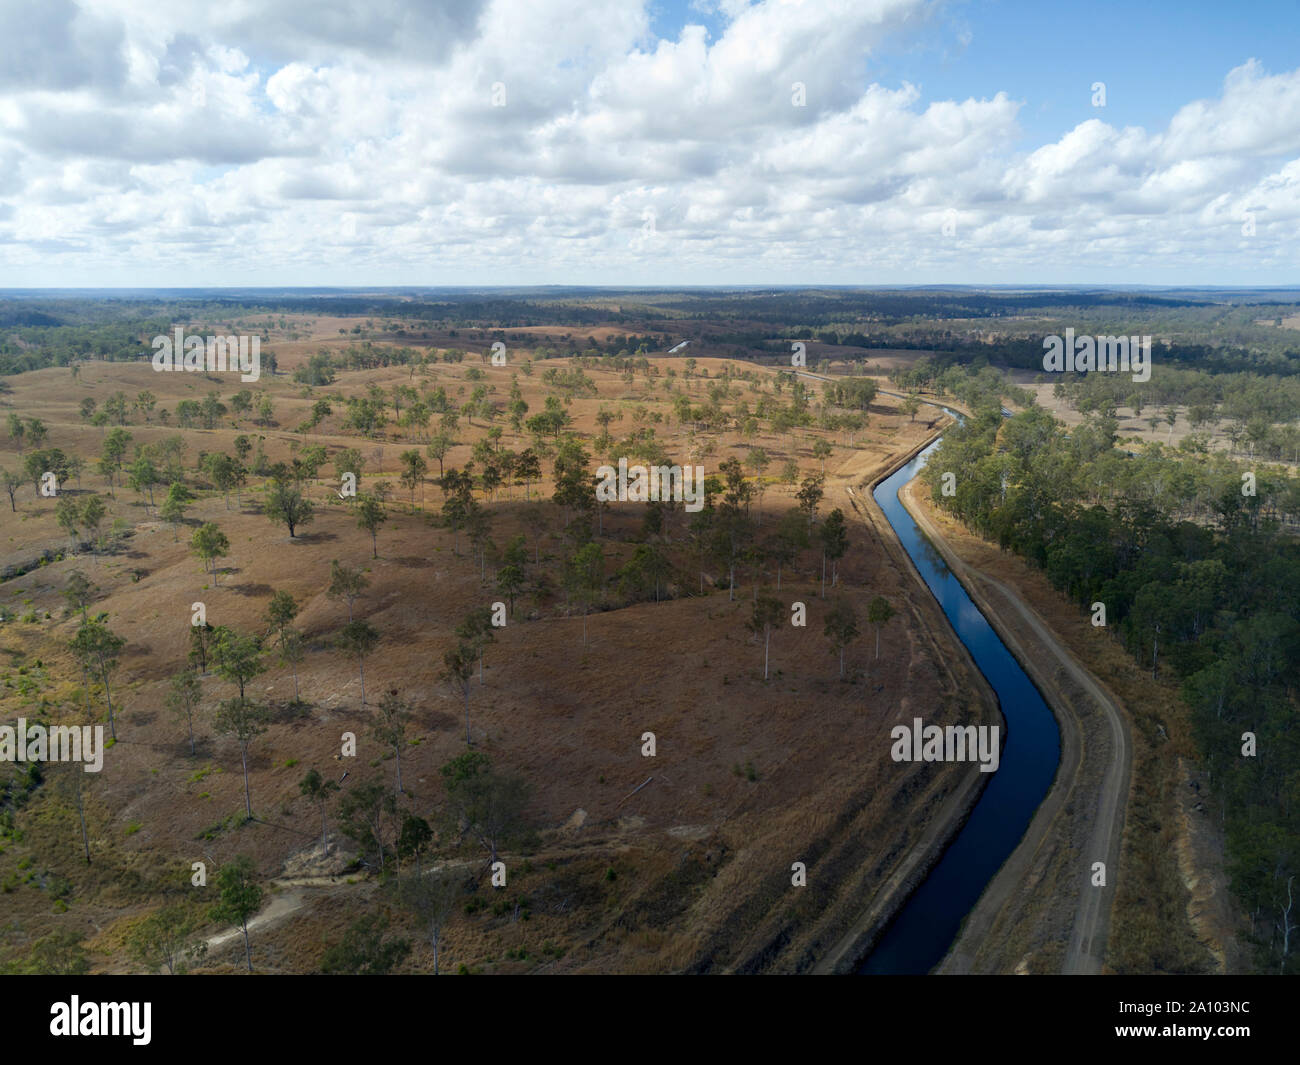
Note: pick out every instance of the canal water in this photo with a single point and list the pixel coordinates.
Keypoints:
(925, 928)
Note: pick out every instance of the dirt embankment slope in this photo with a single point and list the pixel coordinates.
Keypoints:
(925, 617)
(1041, 912)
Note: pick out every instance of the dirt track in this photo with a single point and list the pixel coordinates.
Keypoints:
(1082, 817)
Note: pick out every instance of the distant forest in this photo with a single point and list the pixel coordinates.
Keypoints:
(1211, 331)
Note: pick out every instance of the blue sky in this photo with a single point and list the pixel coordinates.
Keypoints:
(1154, 57)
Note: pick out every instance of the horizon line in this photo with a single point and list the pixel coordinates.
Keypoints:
(736, 286)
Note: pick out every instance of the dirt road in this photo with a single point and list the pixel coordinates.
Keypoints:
(1093, 775)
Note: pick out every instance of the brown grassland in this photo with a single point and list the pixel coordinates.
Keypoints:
(690, 873)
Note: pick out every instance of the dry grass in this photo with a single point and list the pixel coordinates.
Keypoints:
(702, 854)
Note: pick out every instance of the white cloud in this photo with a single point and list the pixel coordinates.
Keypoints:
(189, 143)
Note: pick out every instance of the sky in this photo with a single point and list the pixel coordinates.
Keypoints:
(669, 142)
